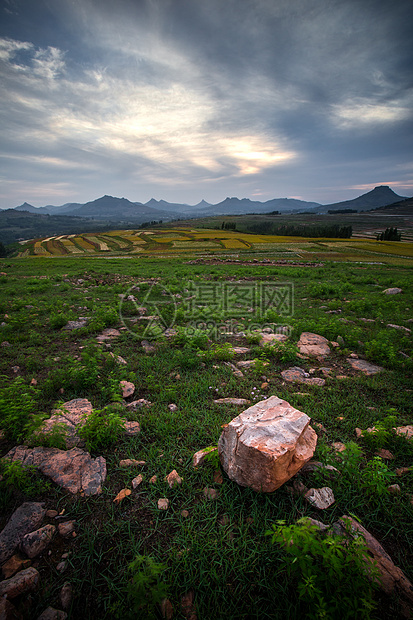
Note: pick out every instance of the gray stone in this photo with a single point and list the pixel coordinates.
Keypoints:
(34, 543)
(25, 581)
(392, 291)
(52, 614)
(320, 498)
(298, 375)
(24, 519)
(365, 367)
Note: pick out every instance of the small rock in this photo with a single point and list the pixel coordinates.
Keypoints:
(108, 334)
(385, 454)
(163, 503)
(394, 489)
(66, 595)
(8, 610)
(354, 356)
(172, 407)
(392, 291)
(200, 456)
(13, 566)
(137, 481)
(265, 385)
(320, 498)
(313, 344)
(24, 520)
(298, 375)
(153, 480)
(147, 347)
(269, 339)
(121, 495)
(400, 328)
(405, 431)
(131, 463)
(250, 364)
(166, 608)
(66, 529)
(51, 514)
(232, 401)
(188, 605)
(312, 466)
(218, 478)
(36, 542)
(127, 388)
(137, 404)
(173, 479)
(132, 428)
(400, 471)
(339, 446)
(25, 581)
(365, 367)
(210, 493)
(52, 614)
(320, 427)
(184, 513)
(33, 382)
(71, 325)
(359, 432)
(61, 567)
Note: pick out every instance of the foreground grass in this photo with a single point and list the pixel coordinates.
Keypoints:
(220, 550)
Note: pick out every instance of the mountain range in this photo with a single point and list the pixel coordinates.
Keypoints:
(112, 208)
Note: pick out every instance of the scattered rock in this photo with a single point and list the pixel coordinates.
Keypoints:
(121, 495)
(400, 328)
(132, 428)
(163, 503)
(172, 407)
(218, 478)
(8, 610)
(210, 493)
(365, 367)
(66, 595)
(137, 404)
(188, 605)
(200, 456)
(312, 466)
(235, 371)
(74, 470)
(33, 382)
(394, 489)
(24, 520)
(184, 513)
(400, 471)
(405, 431)
(36, 542)
(385, 454)
(137, 481)
(14, 565)
(392, 291)
(66, 529)
(266, 444)
(272, 339)
(250, 364)
(119, 359)
(313, 344)
(173, 479)
(147, 347)
(131, 463)
(127, 388)
(108, 334)
(240, 350)
(51, 514)
(25, 581)
(71, 325)
(61, 567)
(166, 609)
(320, 498)
(298, 375)
(73, 415)
(52, 614)
(339, 446)
(153, 479)
(232, 401)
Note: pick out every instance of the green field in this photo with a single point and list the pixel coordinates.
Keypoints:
(218, 548)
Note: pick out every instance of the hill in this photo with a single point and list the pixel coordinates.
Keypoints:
(378, 197)
(242, 206)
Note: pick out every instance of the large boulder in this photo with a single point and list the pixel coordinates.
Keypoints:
(70, 417)
(266, 444)
(74, 470)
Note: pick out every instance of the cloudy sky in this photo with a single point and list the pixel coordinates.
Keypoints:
(191, 99)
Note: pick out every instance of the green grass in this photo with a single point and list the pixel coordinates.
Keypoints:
(220, 551)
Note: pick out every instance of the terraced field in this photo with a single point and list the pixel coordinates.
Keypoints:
(207, 242)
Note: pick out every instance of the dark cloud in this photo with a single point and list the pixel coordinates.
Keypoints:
(182, 100)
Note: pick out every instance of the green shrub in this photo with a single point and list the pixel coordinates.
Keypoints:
(57, 321)
(25, 478)
(145, 589)
(16, 406)
(331, 570)
(376, 477)
(101, 429)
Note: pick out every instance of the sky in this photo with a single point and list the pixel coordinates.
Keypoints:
(184, 100)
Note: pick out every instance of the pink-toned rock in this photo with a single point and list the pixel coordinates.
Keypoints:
(71, 416)
(52, 614)
(185, 513)
(392, 578)
(266, 444)
(131, 463)
(173, 479)
(210, 493)
(137, 481)
(14, 565)
(232, 401)
(166, 608)
(121, 495)
(405, 431)
(298, 375)
(153, 479)
(74, 469)
(51, 514)
(172, 407)
(249, 364)
(127, 388)
(200, 456)
(67, 528)
(138, 404)
(385, 454)
(132, 428)
(108, 334)
(163, 503)
(268, 339)
(24, 519)
(25, 581)
(36, 542)
(320, 498)
(400, 471)
(8, 611)
(188, 605)
(394, 489)
(339, 446)
(364, 367)
(313, 344)
(240, 350)
(393, 291)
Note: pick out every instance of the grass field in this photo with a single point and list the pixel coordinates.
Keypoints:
(217, 549)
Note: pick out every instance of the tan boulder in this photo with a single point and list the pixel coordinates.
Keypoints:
(266, 444)
(313, 344)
